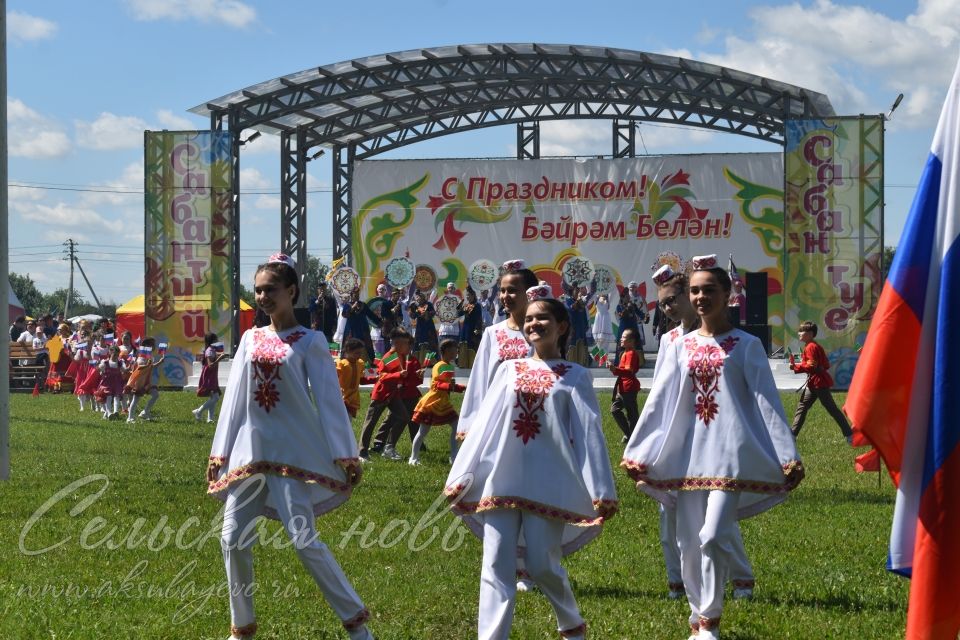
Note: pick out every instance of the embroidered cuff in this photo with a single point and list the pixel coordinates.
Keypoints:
(246, 631)
(346, 463)
(357, 621)
(218, 460)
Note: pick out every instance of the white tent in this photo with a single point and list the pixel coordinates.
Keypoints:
(16, 309)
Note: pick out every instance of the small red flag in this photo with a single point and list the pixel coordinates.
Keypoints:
(869, 461)
(36, 389)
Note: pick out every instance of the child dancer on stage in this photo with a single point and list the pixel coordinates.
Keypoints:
(351, 372)
(209, 384)
(283, 449)
(140, 382)
(815, 364)
(712, 440)
(674, 301)
(434, 408)
(627, 386)
(533, 477)
(111, 383)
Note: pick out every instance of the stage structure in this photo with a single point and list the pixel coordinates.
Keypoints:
(361, 108)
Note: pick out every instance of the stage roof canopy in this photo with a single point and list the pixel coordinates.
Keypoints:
(386, 101)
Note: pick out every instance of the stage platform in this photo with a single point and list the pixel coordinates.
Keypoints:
(602, 379)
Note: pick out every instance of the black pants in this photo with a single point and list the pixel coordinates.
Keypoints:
(807, 399)
(625, 411)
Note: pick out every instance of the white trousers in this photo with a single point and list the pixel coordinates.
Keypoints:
(244, 504)
(498, 581)
(741, 571)
(706, 530)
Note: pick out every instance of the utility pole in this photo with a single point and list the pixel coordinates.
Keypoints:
(4, 251)
(89, 286)
(71, 247)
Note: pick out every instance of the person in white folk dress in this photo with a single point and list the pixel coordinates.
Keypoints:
(499, 343)
(533, 478)
(674, 301)
(712, 440)
(284, 449)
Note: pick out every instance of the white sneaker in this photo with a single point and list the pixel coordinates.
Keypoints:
(131, 421)
(708, 634)
(196, 415)
(526, 584)
(743, 594)
(413, 462)
(143, 415)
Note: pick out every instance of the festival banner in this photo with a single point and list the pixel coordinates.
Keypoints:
(187, 245)
(834, 233)
(629, 215)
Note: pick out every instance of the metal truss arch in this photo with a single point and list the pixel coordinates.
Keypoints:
(363, 107)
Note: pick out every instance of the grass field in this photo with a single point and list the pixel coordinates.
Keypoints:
(106, 532)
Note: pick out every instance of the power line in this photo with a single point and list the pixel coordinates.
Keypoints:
(134, 192)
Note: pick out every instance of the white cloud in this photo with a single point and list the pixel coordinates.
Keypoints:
(843, 50)
(252, 179)
(22, 27)
(173, 122)
(267, 203)
(266, 143)
(33, 135)
(110, 132)
(231, 13)
(575, 138)
(125, 190)
(67, 218)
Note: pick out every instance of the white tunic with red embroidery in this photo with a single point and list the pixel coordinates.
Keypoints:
(283, 414)
(714, 420)
(498, 344)
(537, 445)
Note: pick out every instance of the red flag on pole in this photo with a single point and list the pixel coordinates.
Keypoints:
(869, 461)
(36, 389)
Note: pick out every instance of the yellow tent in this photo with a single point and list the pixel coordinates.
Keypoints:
(130, 315)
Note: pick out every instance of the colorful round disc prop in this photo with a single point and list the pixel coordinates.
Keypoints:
(605, 278)
(399, 272)
(578, 271)
(483, 275)
(446, 307)
(425, 277)
(670, 258)
(345, 280)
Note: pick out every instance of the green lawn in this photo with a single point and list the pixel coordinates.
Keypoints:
(102, 559)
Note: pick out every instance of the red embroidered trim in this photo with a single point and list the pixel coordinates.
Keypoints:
(675, 586)
(510, 348)
(217, 459)
(357, 621)
(246, 631)
(346, 463)
(576, 631)
(793, 474)
(533, 384)
(705, 366)
(743, 584)
(709, 623)
(279, 469)
(512, 502)
(269, 352)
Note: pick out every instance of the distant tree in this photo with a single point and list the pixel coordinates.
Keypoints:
(247, 296)
(888, 255)
(315, 274)
(55, 302)
(28, 294)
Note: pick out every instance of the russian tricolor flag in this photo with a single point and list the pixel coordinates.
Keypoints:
(905, 393)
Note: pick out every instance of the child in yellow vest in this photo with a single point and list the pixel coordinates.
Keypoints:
(434, 407)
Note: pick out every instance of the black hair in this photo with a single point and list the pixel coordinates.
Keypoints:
(352, 344)
(148, 342)
(400, 334)
(559, 312)
(528, 277)
(209, 339)
(723, 278)
(447, 344)
(678, 281)
(809, 325)
(632, 332)
(286, 273)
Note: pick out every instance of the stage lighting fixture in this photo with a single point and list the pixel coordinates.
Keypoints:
(896, 103)
(256, 134)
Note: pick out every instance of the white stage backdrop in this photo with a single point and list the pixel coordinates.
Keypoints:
(628, 214)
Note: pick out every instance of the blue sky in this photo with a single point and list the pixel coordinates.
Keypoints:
(85, 79)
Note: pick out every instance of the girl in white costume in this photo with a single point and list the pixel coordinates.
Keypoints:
(533, 477)
(284, 448)
(713, 441)
(674, 302)
(602, 325)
